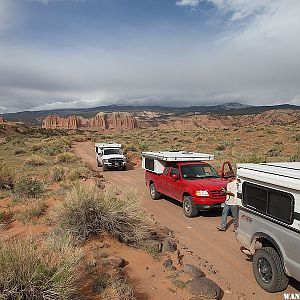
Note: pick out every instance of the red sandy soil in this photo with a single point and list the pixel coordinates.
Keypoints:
(218, 253)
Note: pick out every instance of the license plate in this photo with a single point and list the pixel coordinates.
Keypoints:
(222, 204)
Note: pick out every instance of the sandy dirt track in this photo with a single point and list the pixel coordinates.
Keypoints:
(226, 264)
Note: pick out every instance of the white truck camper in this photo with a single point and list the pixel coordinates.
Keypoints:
(110, 156)
(269, 221)
(156, 161)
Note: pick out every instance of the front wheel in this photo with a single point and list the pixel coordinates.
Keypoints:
(268, 270)
(104, 168)
(155, 195)
(123, 168)
(189, 207)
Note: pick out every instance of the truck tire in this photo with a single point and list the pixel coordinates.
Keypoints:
(124, 168)
(189, 207)
(98, 163)
(269, 271)
(154, 194)
(104, 168)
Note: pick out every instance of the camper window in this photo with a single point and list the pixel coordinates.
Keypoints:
(149, 164)
(276, 204)
(281, 206)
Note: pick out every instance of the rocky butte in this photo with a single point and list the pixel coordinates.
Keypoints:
(104, 121)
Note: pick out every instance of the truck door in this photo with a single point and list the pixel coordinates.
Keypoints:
(174, 185)
(227, 170)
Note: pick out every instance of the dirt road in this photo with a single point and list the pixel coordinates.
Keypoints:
(220, 253)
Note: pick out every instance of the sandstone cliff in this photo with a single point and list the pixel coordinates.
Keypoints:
(110, 121)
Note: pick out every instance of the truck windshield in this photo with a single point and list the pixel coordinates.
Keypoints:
(198, 171)
(112, 151)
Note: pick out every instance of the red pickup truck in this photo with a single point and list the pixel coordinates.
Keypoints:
(195, 183)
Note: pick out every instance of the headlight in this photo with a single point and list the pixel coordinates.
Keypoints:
(105, 160)
(202, 193)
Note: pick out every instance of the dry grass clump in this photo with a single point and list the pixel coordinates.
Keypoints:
(6, 177)
(88, 211)
(58, 174)
(32, 213)
(55, 146)
(27, 187)
(119, 289)
(39, 271)
(35, 161)
(66, 157)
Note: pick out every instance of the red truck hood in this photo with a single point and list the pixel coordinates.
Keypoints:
(207, 184)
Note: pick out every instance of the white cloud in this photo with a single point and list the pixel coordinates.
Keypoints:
(192, 3)
(257, 63)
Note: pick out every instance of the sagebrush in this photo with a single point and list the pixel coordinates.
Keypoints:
(88, 211)
(31, 270)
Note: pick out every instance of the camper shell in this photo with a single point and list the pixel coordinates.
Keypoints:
(187, 177)
(269, 221)
(110, 156)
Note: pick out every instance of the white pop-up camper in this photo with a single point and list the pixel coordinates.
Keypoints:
(270, 221)
(156, 161)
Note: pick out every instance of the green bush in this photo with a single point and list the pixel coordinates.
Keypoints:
(58, 174)
(88, 211)
(274, 152)
(55, 147)
(66, 157)
(32, 213)
(19, 151)
(220, 147)
(35, 161)
(297, 137)
(27, 187)
(34, 271)
(6, 177)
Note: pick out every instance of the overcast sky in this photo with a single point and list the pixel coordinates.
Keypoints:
(84, 53)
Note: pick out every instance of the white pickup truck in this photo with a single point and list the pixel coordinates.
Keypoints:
(110, 156)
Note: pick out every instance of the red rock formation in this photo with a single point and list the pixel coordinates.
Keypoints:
(118, 121)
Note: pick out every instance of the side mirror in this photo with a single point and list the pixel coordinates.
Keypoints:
(175, 176)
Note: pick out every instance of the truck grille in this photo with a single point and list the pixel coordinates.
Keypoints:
(115, 160)
(217, 194)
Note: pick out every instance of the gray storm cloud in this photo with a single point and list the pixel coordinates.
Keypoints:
(257, 63)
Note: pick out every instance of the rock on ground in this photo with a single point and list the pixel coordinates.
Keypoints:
(204, 288)
(169, 246)
(192, 270)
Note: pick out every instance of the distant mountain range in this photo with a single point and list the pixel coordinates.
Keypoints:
(35, 117)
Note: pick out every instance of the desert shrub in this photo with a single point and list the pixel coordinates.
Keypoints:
(274, 152)
(131, 147)
(254, 158)
(143, 147)
(220, 147)
(78, 173)
(58, 174)
(35, 271)
(35, 161)
(6, 177)
(66, 157)
(297, 137)
(80, 138)
(32, 213)
(88, 211)
(27, 187)
(296, 156)
(55, 147)
(119, 289)
(36, 147)
(19, 151)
